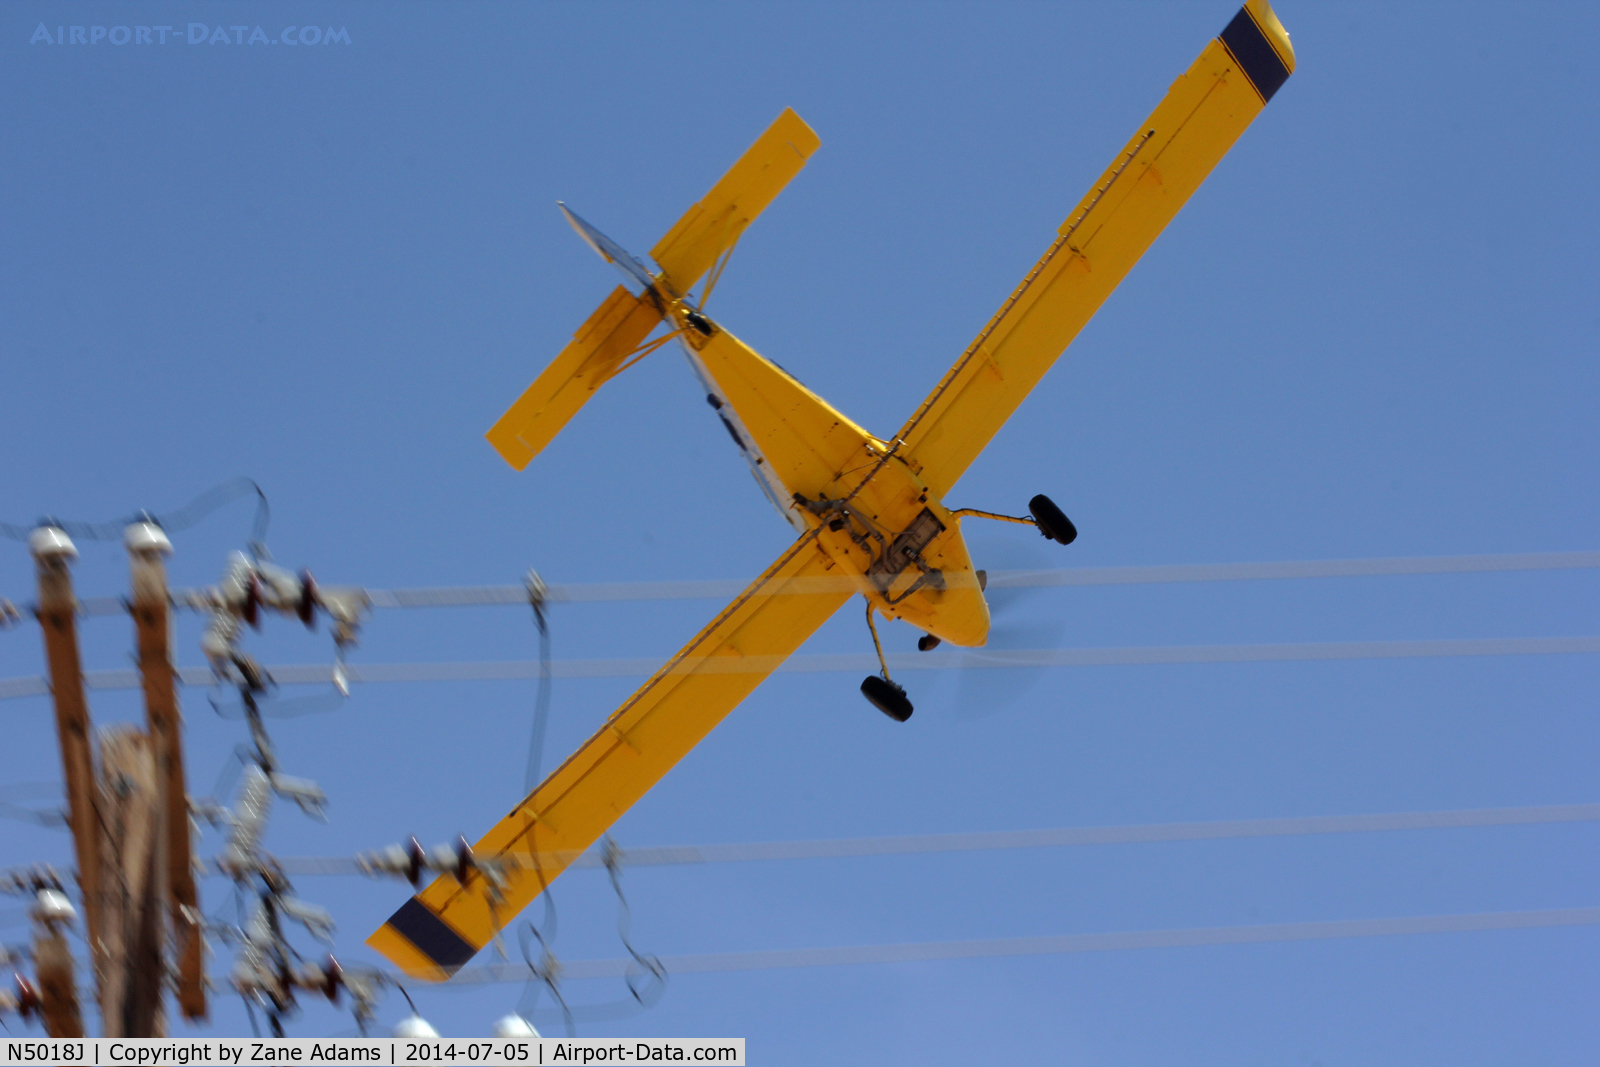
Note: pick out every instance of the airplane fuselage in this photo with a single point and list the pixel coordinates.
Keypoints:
(873, 515)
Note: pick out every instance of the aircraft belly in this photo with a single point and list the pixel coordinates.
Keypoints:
(933, 586)
(796, 443)
(772, 486)
(794, 440)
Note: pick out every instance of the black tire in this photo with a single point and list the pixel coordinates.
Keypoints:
(927, 643)
(1053, 522)
(887, 697)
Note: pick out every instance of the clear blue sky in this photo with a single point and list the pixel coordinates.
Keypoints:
(1371, 333)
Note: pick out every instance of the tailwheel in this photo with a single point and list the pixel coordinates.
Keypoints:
(887, 697)
(1051, 520)
(927, 643)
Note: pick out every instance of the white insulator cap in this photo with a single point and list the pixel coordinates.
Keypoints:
(514, 1026)
(51, 542)
(146, 537)
(53, 906)
(414, 1026)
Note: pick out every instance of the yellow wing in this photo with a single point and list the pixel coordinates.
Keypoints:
(1204, 112)
(590, 359)
(691, 247)
(443, 926)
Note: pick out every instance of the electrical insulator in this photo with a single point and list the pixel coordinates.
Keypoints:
(414, 1026)
(49, 541)
(251, 612)
(332, 979)
(28, 1002)
(146, 536)
(514, 1026)
(416, 862)
(306, 606)
(52, 906)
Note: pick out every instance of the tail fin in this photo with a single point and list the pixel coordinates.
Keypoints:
(607, 249)
(594, 354)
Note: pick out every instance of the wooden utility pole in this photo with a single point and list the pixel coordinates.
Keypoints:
(133, 906)
(147, 546)
(53, 553)
(52, 966)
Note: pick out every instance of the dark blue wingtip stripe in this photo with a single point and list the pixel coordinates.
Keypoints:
(1254, 54)
(432, 937)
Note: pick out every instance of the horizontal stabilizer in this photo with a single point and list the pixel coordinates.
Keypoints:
(596, 352)
(712, 226)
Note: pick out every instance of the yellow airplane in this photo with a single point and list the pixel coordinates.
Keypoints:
(868, 511)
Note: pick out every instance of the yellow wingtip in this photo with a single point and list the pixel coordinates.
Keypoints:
(390, 943)
(1273, 30)
(512, 448)
(800, 133)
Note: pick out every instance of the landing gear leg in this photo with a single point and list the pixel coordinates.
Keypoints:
(1047, 518)
(880, 689)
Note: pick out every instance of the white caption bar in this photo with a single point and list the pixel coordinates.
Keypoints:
(237, 1052)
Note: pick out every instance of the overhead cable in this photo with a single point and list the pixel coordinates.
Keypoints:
(722, 589)
(826, 663)
(994, 840)
(463, 596)
(919, 952)
(172, 521)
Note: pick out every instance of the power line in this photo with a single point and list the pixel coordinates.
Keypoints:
(614, 592)
(984, 841)
(463, 596)
(172, 521)
(926, 951)
(1330, 568)
(826, 663)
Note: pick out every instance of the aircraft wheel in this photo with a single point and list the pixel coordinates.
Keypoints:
(1053, 522)
(887, 697)
(927, 643)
